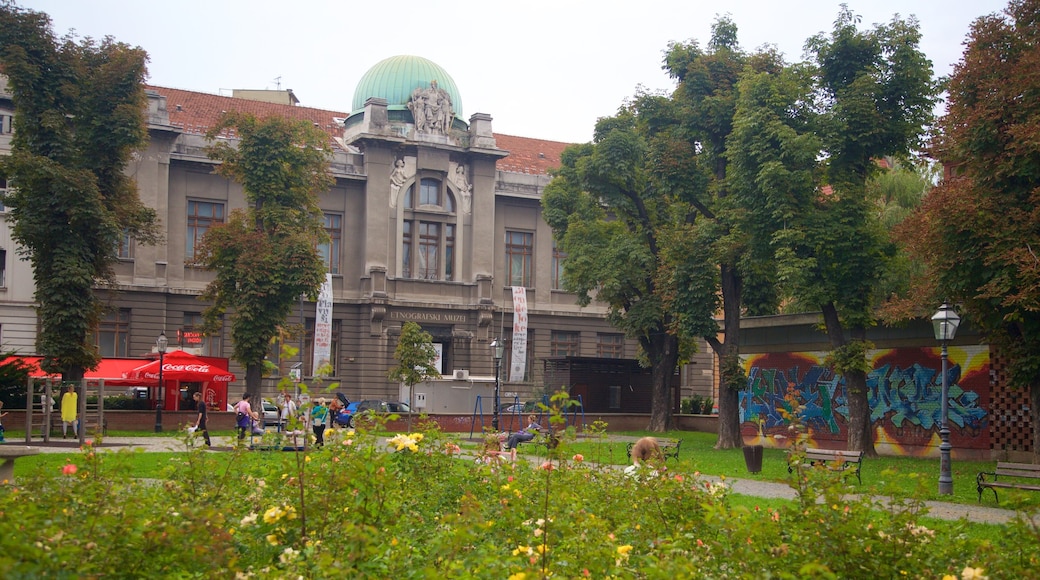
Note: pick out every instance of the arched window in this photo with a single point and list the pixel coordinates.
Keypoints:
(428, 232)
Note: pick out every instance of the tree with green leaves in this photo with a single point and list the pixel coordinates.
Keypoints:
(266, 256)
(79, 116)
(869, 95)
(415, 355)
(695, 159)
(978, 231)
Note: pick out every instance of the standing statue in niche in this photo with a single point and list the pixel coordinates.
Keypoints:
(397, 178)
(431, 109)
(465, 187)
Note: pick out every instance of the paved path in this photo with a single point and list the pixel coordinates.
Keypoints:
(751, 487)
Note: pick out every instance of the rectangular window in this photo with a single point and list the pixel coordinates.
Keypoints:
(557, 267)
(428, 265)
(429, 192)
(449, 252)
(191, 336)
(3, 268)
(202, 215)
(519, 249)
(610, 345)
(406, 251)
(330, 252)
(565, 343)
(113, 334)
(615, 396)
(308, 348)
(126, 246)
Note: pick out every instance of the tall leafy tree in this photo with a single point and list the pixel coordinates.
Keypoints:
(79, 116)
(873, 96)
(415, 355)
(695, 165)
(266, 256)
(615, 218)
(978, 231)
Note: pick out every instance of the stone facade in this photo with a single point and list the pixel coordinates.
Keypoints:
(425, 225)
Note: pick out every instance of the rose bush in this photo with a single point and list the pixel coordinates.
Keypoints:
(414, 508)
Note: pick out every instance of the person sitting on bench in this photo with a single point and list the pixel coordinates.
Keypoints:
(525, 434)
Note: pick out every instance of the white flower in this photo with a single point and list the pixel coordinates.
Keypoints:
(248, 520)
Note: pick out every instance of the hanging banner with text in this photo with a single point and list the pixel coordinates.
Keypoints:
(323, 327)
(518, 360)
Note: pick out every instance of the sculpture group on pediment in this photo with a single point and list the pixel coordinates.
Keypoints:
(431, 109)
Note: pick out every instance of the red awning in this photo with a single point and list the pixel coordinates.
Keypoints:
(181, 366)
(112, 370)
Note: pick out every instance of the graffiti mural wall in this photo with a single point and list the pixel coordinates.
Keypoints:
(904, 392)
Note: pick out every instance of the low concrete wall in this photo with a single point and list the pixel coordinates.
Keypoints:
(451, 423)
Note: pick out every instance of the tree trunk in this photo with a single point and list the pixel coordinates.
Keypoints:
(663, 353)
(729, 398)
(253, 375)
(860, 435)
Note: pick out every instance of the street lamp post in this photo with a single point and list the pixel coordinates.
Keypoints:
(945, 322)
(497, 347)
(160, 346)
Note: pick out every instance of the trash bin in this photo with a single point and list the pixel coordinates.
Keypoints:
(753, 458)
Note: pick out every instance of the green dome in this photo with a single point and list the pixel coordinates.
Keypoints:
(395, 78)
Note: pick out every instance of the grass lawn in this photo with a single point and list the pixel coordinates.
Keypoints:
(901, 477)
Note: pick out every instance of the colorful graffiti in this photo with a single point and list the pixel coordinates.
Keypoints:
(905, 396)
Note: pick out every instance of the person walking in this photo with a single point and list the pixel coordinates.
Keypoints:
(2, 415)
(287, 412)
(244, 417)
(69, 412)
(319, 416)
(200, 421)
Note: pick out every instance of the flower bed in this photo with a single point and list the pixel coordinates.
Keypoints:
(414, 507)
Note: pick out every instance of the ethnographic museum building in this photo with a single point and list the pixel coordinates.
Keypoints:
(433, 218)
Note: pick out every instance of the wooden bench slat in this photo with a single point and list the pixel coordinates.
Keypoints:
(1008, 469)
(844, 460)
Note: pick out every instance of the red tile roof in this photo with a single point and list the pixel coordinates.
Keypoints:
(195, 112)
(528, 155)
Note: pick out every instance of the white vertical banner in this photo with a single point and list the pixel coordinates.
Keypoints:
(323, 326)
(518, 360)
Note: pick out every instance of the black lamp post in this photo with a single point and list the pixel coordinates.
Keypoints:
(497, 353)
(945, 323)
(160, 345)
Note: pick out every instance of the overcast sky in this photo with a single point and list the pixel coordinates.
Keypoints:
(543, 69)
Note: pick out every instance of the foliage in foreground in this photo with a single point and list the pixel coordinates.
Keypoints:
(413, 508)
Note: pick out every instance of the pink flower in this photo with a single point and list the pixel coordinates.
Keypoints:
(69, 469)
(578, 457)
(510, 478)
(548, 466)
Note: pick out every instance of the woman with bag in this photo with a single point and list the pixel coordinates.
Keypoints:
(319, 414)
(244, 417)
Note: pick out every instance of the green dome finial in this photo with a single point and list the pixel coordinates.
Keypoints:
(397, 77)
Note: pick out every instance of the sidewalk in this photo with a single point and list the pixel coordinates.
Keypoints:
(765, 489)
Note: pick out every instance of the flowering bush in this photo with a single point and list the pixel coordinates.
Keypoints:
(408, 507)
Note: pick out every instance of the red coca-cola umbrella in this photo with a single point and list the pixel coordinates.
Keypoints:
(181, 366)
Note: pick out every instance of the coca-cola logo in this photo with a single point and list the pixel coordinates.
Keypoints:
(191, 368)
(222, 378)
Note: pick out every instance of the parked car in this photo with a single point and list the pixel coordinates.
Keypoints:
(270, 415)
(519, 408)
(376, 405)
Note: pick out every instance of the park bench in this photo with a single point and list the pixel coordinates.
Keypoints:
(834, 459)
(8, 454)
(1019, 471)
(669, 448)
